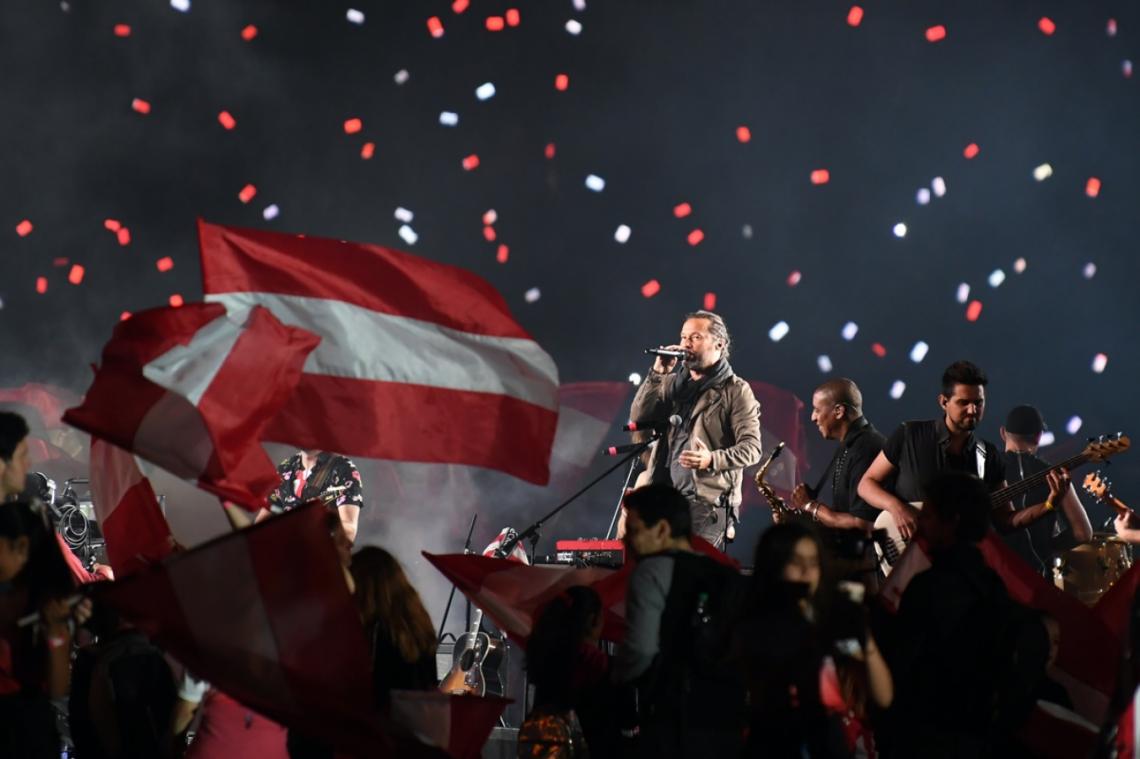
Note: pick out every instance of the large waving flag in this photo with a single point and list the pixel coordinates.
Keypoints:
(191, 390)
(418, 361)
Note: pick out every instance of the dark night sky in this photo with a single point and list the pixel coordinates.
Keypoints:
(656, 93)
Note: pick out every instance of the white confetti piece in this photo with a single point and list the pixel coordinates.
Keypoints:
(922, 196)
(595, 183)
(354, 16)
(404, 215)
(485, 91)
(401, 76)
(621, 234)
(182, 6)
(1020, 265)
(779, 331)
(1043, 172)
(574, 27)
(532, 295)
(271, 212)
(1073, 426)
(939, 186)
(1099, 361)
(1047, 438)
(997, 276)
(963, 294)
(899, 230)
(850, 329)
(824, 363)
(1090, 270)
(634, 378)
(447, 118)
(746, 231)
(897, 389)
(919, 351)
(408, 235)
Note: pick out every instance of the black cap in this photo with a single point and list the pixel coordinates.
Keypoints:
(1025, 420)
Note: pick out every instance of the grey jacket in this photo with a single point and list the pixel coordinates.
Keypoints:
(726, 418)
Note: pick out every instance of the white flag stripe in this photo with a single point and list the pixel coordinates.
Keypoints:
(359, 343)
(113, 473)
(189, 369)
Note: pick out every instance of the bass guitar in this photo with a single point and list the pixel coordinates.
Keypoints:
(1101, 489)
(889, 544)
(477, 663)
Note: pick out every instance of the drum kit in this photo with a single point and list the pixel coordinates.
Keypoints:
(1089, 570)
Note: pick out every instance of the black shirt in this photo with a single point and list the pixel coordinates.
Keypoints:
(920, 450)
(857, 450)
(1038, 542)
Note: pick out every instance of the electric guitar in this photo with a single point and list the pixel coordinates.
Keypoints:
(477, 664)
(889, 544)
(1101, 489)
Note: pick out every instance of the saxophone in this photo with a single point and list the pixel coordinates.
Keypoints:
(780, 509)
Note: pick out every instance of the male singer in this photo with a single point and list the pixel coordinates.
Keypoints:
(719, 432)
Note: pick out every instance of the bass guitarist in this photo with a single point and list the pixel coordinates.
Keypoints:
(918, 450)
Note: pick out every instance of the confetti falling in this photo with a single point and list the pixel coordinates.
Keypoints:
(561, 82)
(1099, 362)
(743, 134)
(448, 118)
(247, 193)
(574, 27)
(122, 30)
(404, 215)
(485, 91)
(936, 33)
(898, 387)
(820, 176)
(919, 351)
(354, 16)
(435, 27)
(971, 150)
(164, 264)
(271, 212)
(1046, 25)
(1089, 271)
(175, 300)
(850, 329)
(899, 230)
(24, 228)
(854, 18)
(650, 288)
(140, 106)
(1073, 426)
(963, 293)
(503, 254)
(75, 276)
(595, 183)
(973, 311)
(681, 210)
(824, 363)
(879, 349)
(1092, 187)
(709, 303)
(249, 32)
(532, 295)
(696, 237)
(226, 120)
(1042, 172)
(352, 126)
(997, 276)
(367, 150)
(471, 162)
(621, 234)
(778, 331)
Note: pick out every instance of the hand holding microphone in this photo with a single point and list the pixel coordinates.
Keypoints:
(667, 356)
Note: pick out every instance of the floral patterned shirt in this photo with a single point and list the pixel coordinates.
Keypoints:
(341, 485)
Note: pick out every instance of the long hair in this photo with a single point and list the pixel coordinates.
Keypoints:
(388, 603)
(46, 574)
(774, 550)
(551, 650)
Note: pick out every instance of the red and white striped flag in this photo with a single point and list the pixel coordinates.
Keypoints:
(129, 516)
(418, 361)
(191, 389)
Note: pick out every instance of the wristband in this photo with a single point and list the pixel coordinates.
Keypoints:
(1049, 504)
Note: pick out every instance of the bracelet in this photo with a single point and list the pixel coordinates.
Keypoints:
(812, 509)
(1049, 504)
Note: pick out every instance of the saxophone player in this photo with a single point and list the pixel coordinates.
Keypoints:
(837, 411)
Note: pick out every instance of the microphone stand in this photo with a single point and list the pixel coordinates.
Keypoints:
(531, 533)
(451, 596)
(621, 498)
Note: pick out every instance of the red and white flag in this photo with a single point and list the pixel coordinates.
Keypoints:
(418, 361)
(129, 516)
(265, 615)
(512, 594)
(191, 390)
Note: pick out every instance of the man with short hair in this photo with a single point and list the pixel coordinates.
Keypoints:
(14, 457)
(918, 450)
(1039, 542)
(704, 456)
(837, 411)
(688, 703)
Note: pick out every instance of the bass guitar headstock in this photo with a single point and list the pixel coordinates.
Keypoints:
(1101, 448)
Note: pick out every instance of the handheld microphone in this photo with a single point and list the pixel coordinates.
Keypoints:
(666, 353)
(656, 425)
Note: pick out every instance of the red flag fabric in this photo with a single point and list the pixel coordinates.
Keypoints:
(513, 594)
(264, 615)
(459, 725)
(191, 390)
(127, 510)
(1115, 606)
(425, 353)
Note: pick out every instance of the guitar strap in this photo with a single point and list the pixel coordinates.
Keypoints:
(980, 451)
(315, 485)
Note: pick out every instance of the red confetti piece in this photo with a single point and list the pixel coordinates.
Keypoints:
(855, 16)
(878, 349)
(226, 120)
(710, 301)
(1092, 187)
(352, 126)
(513, 17)
(503, 254)
(820, 176)
(24, 228)
(650, 288)
(1110, 28)
(973, 311)
(75, 276)
(460, 5)
(124, 236)
(60, 261)
(164, 264)
(971, 150)
(112, 225)
(176, 300)
(561, 82)
(435, 26)
(367, 150)
(124, 316)
(794, 277)
(549, 150)
(1046, 26)
(936, 33)
(489, 233)
(141, 106)
(490, 217)
(471, 162)
(696, 236)
(495, 23)
(249, 32)
(247, 193)
(681, 210)
(743, 134)
(41, 285)
(122, 30)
